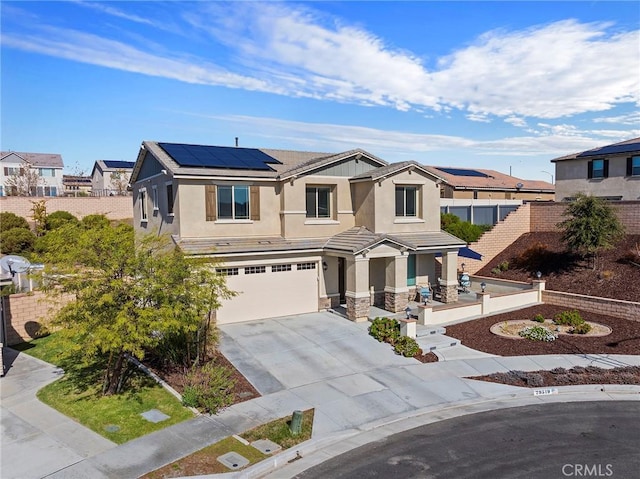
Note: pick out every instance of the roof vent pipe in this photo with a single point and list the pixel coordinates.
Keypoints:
(236, 142)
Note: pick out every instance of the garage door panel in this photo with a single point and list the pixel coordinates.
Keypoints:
(269, 294)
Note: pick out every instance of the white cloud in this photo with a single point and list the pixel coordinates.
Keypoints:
(547, 71)
(516, 121)
(632, 118)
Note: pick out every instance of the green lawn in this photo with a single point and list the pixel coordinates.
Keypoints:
(116, 417)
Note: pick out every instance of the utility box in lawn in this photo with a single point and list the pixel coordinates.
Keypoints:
(296, 423)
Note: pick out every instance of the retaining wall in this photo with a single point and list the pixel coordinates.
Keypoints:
(610, 307)
(545, 216)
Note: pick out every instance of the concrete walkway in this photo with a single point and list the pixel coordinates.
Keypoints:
(316, 361)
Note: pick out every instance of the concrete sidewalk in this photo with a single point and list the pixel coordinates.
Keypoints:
(315, 361)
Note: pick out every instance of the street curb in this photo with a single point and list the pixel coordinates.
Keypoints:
(315, 451)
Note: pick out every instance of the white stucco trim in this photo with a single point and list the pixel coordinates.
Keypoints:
(293, 212)
(345, 212)
(392, 289)
(352, 294)
(408, 220)
(408, 182)
(321, 222)
(227, 222)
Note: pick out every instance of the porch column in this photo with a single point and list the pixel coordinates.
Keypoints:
(395, 287)
(357, 294)
(449, 282)
(425, 269)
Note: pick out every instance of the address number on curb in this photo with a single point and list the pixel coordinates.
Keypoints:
(545, 392)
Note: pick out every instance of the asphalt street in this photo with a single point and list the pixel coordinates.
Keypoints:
(547, 441)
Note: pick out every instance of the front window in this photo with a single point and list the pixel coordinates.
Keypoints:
(46, 172)
(154, 190)
(170, 198)
(598, 169)
(318, 201)
(635, 166)
(233, 202)
(406, 200)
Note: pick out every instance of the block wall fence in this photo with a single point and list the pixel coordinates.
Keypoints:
(545, 216)
(26, 313)
(113, 207)
(611, 307)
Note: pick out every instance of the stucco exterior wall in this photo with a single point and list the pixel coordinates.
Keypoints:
(159, 220)
(571, 178)
(295, 224)
(428, 218)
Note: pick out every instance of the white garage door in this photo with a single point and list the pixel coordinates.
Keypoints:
(270, 291)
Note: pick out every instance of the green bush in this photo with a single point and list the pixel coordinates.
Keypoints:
(385, 330)
(504, 266)
(209, 388)
(407, 347)
(568, 318)
(538, 318)
(95, 221)
(496, 271)
(583, 328)
(17, 241)
(538, 333)
(59, 218)
(9, 221)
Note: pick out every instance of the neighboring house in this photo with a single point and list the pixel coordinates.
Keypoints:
(111, 177)
(75, 185)
(485, 197)
(30, 174)
(479, 184)
(611, 172)
(298, 231)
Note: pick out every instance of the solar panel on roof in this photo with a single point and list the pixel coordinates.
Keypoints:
(226, 157)
(611, 149)
(463, 172)
(118, 164)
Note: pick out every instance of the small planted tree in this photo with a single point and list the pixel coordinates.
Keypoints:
(591, 226)
(25, 183)
(129, 297)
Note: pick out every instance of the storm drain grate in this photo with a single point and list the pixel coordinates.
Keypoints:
(233, 460)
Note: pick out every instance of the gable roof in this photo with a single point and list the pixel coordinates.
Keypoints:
(627, 146)
(463, 179)
(42, 160)
(316, 163)
(392, 169)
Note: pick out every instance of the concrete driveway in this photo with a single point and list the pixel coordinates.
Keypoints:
(285, 353)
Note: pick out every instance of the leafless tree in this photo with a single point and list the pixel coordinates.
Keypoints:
(24, 182)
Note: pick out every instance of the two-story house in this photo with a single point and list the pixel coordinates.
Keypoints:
(298, 231)
(611, 172)
(111, 177)
(30, 174)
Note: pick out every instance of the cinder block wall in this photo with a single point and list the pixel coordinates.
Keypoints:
(26, 313)
(498, 238)
(610, 307)
(113, 207)
(545, 216)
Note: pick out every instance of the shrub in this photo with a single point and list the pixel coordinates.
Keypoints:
(385, 330)
(95, 221)
(538, 333)
(607, 274)
(504, 266)
(496, 271)
(17, 241)
(582, 328)
(209, 388)
(9, 221)
(59, 218)
(407, 347)
(538, 318)
(568, 318)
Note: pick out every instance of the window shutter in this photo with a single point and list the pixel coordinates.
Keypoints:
(629, 166)
(606, 169)
(210, 202)
(590, 170)
(254, 202)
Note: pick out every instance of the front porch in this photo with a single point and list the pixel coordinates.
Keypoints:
(364, 270)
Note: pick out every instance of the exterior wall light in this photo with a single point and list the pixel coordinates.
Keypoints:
(483, 285)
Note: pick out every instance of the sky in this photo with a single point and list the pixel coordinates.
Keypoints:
(506, 86)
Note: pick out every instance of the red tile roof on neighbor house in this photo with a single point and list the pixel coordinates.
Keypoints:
(481, 179)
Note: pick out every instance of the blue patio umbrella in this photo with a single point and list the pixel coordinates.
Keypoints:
(466, 252)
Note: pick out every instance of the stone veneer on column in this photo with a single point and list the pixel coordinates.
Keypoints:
(450, 293)
(395, 302)
(358, 308)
